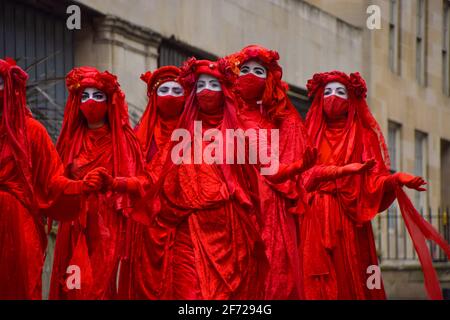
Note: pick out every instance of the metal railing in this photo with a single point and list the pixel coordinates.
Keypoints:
(393, 240)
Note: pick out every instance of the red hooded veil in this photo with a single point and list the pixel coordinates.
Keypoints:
(153, 132)
(31, 180)
(205, 213)
(150, 129)
(337, 239)
(275, 201)
(96, 241)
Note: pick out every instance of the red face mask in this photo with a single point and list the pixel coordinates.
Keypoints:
(210, 102)
(335, 107)
(94, 111)
(170, 106)
(250, 87)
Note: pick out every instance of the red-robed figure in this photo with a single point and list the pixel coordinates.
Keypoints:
(96, 135)
(263, 104)
(32, 186)
(205, 220)
(348, 187)
(166, 98)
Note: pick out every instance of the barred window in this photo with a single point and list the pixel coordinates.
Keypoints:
(421, 42)
(394, 35)
(173, 52)
(43, 46)
(446, 48)
(299, 98)
(421, 168)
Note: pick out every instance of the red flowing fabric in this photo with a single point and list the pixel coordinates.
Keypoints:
(420, 230)
(149, 242)
(277, 214)
(96, 241)
(32, 186)
(212, 249)
(337, 243)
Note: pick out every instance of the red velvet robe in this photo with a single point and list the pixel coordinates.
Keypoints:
(337, 244)
(275, 203)
(97, 241)
(213, 250)
(23, 239)
(93, 241)
(203, 240)
(149, 243)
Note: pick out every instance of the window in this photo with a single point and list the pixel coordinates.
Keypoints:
(299, 98)
(394, 35)
(420, 168)
(446, 48)
(41, 44)
(445, 173)
(394, 136)
(173, 52)
(394, 148)
(421, 42)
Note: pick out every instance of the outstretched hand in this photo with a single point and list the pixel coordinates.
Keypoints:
(355, 168)
(411, 181)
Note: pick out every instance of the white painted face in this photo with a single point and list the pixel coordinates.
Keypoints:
(170, 88)
(94, 94)
(2, 84)
(254, 67)
(335, 89)
(206, 81)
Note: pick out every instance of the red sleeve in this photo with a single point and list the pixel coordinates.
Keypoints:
(57, 196)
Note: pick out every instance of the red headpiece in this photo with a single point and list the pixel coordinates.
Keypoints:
(354, 83)
(193, 68)
(158, 77)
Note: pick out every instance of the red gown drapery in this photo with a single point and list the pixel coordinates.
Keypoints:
(149, 242)
(212, 250)
(96, 242)
(32, 186)
(275, 201)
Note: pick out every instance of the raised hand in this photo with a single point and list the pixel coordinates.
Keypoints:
(411, 181)
(355, 168)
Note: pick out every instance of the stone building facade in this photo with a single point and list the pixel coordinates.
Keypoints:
(406, 64)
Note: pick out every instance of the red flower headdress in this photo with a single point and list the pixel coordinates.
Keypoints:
(354, 83)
